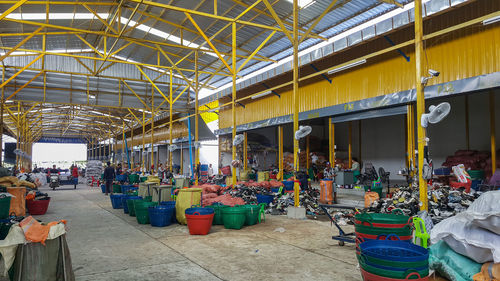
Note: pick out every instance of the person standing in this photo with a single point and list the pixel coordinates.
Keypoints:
(74, 174)
(109, 176)
(210, 171)
(329, 174)
(161, 172)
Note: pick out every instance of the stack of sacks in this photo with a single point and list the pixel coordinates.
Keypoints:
(225, 199)
(474, 234)
(472, 160)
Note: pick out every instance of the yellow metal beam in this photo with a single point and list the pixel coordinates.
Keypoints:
(20, 43)
(173, 65)
(153, 84)
(317, 20)
(16, 5)
(193, 12)
(295, 94)
(135, 94)
(419, 52)
(256, 50)
(23, 86)
(20, 71)
(278, 20)
(394, 2)
(99, 18)
(208, 41)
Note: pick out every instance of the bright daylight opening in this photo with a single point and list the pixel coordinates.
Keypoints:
(63, 155)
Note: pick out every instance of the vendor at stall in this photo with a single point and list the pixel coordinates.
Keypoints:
(329, 172)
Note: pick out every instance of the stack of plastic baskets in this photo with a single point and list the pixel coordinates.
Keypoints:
(254, 214)
(116, 201)
(172, 204)
(389, 260)
(142, 210)
(371, 226)
(218, 213)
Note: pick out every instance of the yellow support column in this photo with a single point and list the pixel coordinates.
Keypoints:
(295, 101)
(196, 137)
(419, 51)
(170, 124)
(152, 128)
(143, 164)
(350, 145)
(233, 109)
(331, 143)
(492, 134)
(1, 116)
(245, 151)
(280, 152)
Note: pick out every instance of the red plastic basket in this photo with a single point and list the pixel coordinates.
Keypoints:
(367, 276)
(199, 224)
(38, 207)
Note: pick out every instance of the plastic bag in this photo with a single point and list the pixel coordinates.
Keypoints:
(467, 239)
(450, 264)
(489, 272)
(370, 197)
(186, 198)
(18, 201)
(485, 211)
(326, 191)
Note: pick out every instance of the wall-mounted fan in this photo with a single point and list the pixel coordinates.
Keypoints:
(172, 147)
(302, 132)
(238, 139)
(436, 114)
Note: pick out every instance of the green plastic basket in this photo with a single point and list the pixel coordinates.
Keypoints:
(133, 178)
(400, 264)
(396, 217)
(403, 231)
(131, 208)
(4, 207)
(234, 217)
(143, 179)
(117, 188)
(218, 214)
(476, 174)
(390, 273)
(141, 211)
(253, 213)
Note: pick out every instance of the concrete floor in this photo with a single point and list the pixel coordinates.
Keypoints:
(107, 244)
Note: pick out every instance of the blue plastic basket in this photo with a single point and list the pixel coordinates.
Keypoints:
(160, 216)
(391, 250)
(124, 203)
(170, 203)
(202, 211)
(265, 198)
(288, 185)
(127, 188)
(103, 188)
(275, 190)
(116, 201)
(395, 268)
(121, 178)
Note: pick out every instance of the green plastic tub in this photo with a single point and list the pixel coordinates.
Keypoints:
(400, 264)
(401, 232)
(253, 213)
(234, 217)
(4, 207)
(141, 210)
(476, 174)
(396, 218)
(218, 214)
(131, 208)
(390, 273)
(143, 179)
(117, 188)
(133, 178)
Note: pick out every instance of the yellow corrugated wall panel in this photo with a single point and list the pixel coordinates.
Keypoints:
(458, 55)
(209, 116)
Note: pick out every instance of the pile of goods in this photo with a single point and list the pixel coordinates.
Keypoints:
(472, 160)
(465, 246)
(93, 171)
(444, 202)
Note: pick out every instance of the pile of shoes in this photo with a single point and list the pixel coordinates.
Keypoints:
(444, 202)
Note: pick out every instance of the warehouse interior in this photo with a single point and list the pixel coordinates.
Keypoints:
(212, 138)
